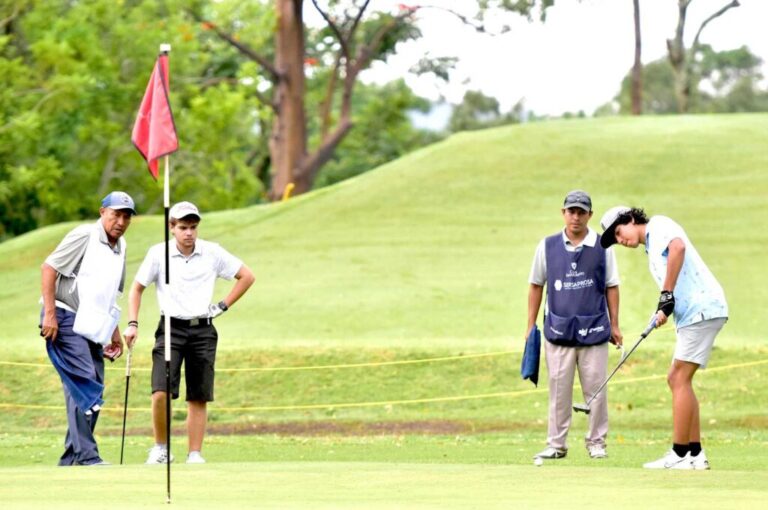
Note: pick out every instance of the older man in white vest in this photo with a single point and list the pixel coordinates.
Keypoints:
(81, 281)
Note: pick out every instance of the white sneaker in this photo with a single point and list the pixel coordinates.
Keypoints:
(671, 461)
(597, 451)
(551, 453)
(158, 455)
(195, 458)
(700, 461)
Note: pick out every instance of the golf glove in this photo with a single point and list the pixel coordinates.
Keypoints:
(217, 309)
(666, 303)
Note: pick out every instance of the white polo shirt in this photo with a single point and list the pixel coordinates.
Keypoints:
(192, 278)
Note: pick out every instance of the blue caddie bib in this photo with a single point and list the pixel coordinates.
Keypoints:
(577, 309)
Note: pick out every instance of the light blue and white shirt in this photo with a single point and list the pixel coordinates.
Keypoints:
(698, 295)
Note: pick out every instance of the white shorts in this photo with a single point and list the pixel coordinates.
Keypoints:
(694, 342)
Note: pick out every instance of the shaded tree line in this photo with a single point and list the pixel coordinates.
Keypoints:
(260, 99)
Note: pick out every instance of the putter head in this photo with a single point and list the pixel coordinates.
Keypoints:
(581, 408)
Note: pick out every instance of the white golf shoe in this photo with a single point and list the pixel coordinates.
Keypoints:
(551, 453)
(195, 458)
(671, 461)
(700, 461)
(158, 455)
(597, 451)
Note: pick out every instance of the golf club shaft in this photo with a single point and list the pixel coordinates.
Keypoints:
(624, 358)
(125, 403)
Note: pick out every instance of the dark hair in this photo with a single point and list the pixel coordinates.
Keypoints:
(187, 218)
(635, 215)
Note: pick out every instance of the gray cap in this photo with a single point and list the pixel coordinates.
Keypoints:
(578, 198)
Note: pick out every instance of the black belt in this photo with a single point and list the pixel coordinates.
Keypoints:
(188, 323)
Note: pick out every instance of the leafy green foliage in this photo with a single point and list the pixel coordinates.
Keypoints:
(73, 76)
(478, 111)
(725, 81)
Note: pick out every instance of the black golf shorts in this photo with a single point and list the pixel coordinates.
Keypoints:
(195, 347)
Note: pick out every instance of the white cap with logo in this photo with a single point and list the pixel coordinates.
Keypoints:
(182, 210)
(608, 222)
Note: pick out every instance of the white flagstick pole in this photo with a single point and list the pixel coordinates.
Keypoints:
(167, 327)
(166, 48)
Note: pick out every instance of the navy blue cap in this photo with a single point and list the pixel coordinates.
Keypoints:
(119, 200)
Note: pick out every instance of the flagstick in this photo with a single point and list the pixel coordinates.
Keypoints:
(167, 339)
(165, 49)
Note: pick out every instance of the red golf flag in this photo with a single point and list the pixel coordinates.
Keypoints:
(154, 133)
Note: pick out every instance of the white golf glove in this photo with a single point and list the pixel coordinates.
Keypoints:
(217, 309)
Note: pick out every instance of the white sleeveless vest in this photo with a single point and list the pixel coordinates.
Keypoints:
(97, 285)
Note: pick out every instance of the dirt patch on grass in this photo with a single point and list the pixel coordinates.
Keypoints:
(348, 428)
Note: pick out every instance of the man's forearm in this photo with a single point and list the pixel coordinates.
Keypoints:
(675, 259)
(134, 301)
(535, 293)
(48, 288)
(244, 281)
(612, 297)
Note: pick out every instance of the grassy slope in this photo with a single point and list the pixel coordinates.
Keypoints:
(435, 248)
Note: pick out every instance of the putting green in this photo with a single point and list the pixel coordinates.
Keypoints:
(290, 485)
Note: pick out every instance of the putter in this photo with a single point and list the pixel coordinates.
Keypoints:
(584, 408)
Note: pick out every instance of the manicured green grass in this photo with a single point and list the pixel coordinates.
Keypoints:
(435, 248)
(382, 485)
(427, 257)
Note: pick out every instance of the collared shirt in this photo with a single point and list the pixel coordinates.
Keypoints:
(538, 275)
(66, 259)
(698, 295)
(192, 278)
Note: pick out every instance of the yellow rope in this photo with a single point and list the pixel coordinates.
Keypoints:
(388, 402)
(310, 367)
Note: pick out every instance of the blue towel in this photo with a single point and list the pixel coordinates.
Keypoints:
(529, 368)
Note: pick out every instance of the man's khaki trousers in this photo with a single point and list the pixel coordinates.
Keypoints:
(562, 363)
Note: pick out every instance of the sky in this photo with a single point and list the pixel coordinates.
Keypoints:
(574, 61)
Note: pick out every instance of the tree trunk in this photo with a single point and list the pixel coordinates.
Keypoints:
(676, 49)
(288, 143)
(637, 68)
(681, 59)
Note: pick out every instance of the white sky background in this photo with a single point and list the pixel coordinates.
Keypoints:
(573, 61)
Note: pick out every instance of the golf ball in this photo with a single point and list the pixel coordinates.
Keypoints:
(538, 461)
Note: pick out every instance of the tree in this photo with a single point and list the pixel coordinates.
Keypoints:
(725, 81)
(475, 111)
(637, 68)
(682, 58)
(72, 75)
(358, 37)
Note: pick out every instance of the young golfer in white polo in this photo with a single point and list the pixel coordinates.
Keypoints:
(194, 265)
(691, 292)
